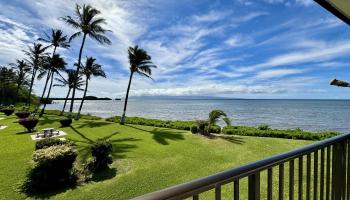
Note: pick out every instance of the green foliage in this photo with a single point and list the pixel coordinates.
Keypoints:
(215, 115)
(194, 129)
(214, 129)
(45, 143)
(101, 151)
(52, 169)
(263, 127)
(181, 125)
(202, 126)
(290, 134)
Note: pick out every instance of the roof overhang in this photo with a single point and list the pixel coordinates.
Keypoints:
(340, 8)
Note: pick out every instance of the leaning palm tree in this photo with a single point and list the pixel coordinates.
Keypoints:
(88, 24)
(57, 64)
(140, 62)
(55, 40)
(71, 81)
(89, 69)
(22, 69)
(214, 117)
(35, 59)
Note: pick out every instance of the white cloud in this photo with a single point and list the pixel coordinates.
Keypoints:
(277, 73)
(239, 40)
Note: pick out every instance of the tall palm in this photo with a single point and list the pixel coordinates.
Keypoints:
(35, 59)
(71, 81)
(22, 69)
(140, 62)
(91, 68)
(89, 24)
(55, 40)
(57, 64)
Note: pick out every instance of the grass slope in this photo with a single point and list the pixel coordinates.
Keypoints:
(146, 158)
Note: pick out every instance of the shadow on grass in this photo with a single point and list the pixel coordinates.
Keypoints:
(233, 139)
(104, 174)
(52, 192)
(44, 120)
(93, 124)
(162, 135)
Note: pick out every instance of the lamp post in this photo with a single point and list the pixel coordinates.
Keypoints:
(340, 83)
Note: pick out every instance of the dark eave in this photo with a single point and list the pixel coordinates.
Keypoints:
(340, 8)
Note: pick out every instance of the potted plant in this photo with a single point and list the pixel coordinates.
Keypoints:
(24, 113)
(29, 123)
(65, 122)
(8, 111)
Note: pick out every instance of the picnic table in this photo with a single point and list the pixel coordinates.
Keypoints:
(47, 132)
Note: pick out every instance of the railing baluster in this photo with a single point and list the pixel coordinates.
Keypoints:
(300, 179)
(218, 192)
(269, 184)
(195, 197)
(328, 172)
(322, 175)
(308, 176)
(236, 189)
(348, 175)
(254, 186)
(281, 182)
(315, 175)
(291, 180)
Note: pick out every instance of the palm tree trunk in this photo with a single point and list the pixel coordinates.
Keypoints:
(122, 119)
(47, 97)
(16, 97)
(65, 102)
(77, 74)
(31, 86)
(47, 81)
(82, 101)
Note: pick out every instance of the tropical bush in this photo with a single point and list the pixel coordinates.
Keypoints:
(29, 123)
(8, 110)
(24, 113)
(181, 125)
(52, 169)
(65, 122)
(194, 129)
(290, 134)
(45, 143)
(263, 127)
(100, 151)
(214, 129)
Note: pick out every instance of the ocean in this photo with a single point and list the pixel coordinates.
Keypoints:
(310, 115)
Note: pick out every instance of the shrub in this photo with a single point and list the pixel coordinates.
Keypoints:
(45, 143)
(194, 129)
(29, 123)
(65, 122)
(22, 114)
(8, 111)
(263, 127)
(289, 134)
(101, 151)
(181, 125)
(215, 129)
(52, 169)
(202, 127)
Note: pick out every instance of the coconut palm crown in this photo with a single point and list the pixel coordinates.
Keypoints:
(87, 22)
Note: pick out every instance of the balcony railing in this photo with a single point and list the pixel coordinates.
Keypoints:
(327, 176)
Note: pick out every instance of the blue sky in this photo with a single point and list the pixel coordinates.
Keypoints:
(231, 48)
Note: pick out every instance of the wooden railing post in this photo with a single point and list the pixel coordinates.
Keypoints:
(254, 186)
(338, 169)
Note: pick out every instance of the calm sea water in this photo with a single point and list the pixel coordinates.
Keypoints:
(312, 115)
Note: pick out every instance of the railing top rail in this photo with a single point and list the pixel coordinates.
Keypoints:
(187, 189)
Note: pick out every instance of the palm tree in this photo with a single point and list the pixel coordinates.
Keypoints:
(22, 70)
(71, 81)
(140, 62)
(57, 64)
(6, 79)
(214, 117)
(36, 55)
(56, 39)
(90, 69)
(88, 24)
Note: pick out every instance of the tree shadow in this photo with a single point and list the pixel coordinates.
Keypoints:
(233, 139)
(162, 135)
(105, 174)
(93, 124)
(44, 120)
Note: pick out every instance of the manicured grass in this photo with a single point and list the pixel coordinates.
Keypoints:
(146, 158)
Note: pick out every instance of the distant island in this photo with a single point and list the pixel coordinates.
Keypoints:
(86, 98)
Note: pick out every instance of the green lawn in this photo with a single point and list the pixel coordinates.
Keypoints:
(146, 158)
